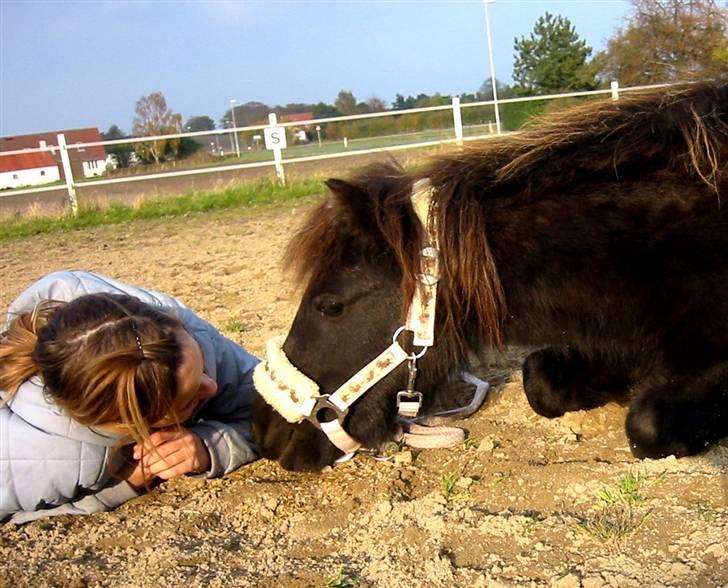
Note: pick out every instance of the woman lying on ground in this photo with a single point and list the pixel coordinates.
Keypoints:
(108, 387)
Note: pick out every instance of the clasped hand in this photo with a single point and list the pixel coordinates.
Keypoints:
(170, 452)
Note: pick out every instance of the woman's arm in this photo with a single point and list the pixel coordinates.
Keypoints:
(223, 423)
(106, 499)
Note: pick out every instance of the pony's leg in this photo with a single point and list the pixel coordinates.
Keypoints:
(559, 381)
(681, 417)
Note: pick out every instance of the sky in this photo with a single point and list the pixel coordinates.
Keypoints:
(85, 63)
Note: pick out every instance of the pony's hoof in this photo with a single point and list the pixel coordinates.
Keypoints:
(656, 430)
(540, 392)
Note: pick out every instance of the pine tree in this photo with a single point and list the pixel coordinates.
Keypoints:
(553, 59)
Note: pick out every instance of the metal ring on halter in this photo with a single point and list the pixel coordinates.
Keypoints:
(323, 403)
(412, 355)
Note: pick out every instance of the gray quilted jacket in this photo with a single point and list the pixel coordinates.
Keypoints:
(51, 465)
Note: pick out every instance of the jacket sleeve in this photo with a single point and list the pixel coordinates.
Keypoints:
(223, 423)
(106, 499)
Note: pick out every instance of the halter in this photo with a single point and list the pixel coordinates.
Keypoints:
(296, 397)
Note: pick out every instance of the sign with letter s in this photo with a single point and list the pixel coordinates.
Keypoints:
(275, 137)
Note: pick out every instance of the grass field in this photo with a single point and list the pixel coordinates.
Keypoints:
(119, 212)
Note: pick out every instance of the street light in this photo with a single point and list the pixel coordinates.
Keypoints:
(492, 67)
(235, 126)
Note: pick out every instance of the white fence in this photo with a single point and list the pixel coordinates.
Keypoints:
(277, 161)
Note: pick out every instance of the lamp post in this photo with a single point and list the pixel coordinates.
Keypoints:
(235, 126)
(492, 66)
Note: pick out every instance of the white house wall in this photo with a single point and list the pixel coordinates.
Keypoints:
(96, 167)
(29, 177)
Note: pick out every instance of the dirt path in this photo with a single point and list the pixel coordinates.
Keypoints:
(525, 502)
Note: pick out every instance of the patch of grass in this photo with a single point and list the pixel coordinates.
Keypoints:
(343, 580)
(619, 513)
(613, 522)
(471, 442)
(236, 326)
(116, 213)
(627, 491)
(706, 512)
(566, 569)
(448, 482)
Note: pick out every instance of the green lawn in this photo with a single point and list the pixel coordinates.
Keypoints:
(258, 193)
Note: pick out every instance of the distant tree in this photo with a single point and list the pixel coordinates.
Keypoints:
(376, 104)
(553, 59)
(189, 146)
(485, 92)
(402, 103)
(346, 103)
(154, 117)
(196, 124)
(113, 134)
(323, 110)
(248, 114)
(666, 40)
(122, 151)
(436, 99)
(294, 108)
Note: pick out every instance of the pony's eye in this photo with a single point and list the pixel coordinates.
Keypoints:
(329, 307)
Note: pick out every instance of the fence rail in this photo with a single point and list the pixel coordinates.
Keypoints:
(277, 160)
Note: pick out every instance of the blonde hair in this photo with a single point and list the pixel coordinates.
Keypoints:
(105, 359)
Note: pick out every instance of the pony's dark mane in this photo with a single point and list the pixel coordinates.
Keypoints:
(683, 132)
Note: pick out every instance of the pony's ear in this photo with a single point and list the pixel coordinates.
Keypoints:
(352, 203)
(338, 186)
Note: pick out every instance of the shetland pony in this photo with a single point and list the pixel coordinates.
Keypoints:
(599, 238)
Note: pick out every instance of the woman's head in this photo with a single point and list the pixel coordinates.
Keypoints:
(107, 360)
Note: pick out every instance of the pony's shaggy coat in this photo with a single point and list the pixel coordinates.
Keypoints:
(600, 235)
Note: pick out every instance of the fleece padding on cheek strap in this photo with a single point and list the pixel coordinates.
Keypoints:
(291, 393)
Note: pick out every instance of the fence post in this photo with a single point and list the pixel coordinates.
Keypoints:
(457, 120)
(67, 173)
(277, 155)
(615, 90)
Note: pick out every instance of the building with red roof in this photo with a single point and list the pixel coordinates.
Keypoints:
(27, 169)
(296, 117)
(85, 161)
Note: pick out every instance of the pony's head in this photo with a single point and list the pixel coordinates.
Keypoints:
(358, 260)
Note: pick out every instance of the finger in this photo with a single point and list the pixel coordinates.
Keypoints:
(173, 472)
(185, 446)
(166, 453)
(165, 435)
(157, 439)
(188, 464)
(182, 462)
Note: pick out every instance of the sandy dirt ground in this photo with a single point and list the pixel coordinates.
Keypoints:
(526, 501)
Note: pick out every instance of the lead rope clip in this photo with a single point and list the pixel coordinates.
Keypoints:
(409, 401)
